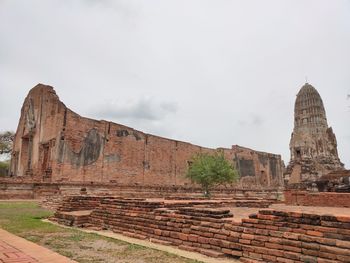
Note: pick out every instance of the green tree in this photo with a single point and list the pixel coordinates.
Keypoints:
(210, 170)
(6, 141)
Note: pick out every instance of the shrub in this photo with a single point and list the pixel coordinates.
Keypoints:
(210, 170)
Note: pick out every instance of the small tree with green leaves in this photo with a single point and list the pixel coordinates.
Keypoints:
(210, 170)
(6, 141)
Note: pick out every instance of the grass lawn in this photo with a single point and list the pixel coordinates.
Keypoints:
(24, 219)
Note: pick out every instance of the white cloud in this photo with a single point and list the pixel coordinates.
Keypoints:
(146, 109)
(222, 62)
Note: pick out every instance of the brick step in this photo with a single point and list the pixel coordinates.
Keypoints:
(249, 260)
(134, 235)
(161, 242)
(212, 253)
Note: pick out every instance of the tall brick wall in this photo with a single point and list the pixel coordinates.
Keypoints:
(54, 144)
(304, 198)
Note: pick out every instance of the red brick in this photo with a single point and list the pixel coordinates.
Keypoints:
(284, 260)
(345, 219)
(291, 255)
(123, 154)
(343, 258)
(291, 235)
(310, 252)
(343, 244)
(183, 236)
(203, 240)
(293, 249)
(236, 253)
(244, 241)
(323, 260)
(274, 246)
(335, 250)
(192, 238)
(158, 232)
(236, 246)
(247, 236)
(255, 255)
(211, 253)
(314, 233)
(269, 258)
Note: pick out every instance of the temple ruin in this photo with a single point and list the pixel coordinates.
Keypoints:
(54, 144)
(313, 145)
(108, 177)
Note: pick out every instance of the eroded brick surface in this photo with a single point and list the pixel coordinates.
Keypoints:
(279, 234)
(55, 144)
(304, 198)
(313, 145)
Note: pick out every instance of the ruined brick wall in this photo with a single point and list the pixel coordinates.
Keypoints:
(317, 199)
(268, 236)
(16, 191)
(257, 168)
(39, 128)
(54, 144)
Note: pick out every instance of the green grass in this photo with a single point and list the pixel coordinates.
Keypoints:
(25, 219)
(21, 217)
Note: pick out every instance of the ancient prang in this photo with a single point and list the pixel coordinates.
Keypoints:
(313, 146)
(54, 144)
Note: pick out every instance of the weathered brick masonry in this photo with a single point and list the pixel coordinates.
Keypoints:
(53, 192)
(304, 198)
(268, 236)
(54, 144)
(313, 145)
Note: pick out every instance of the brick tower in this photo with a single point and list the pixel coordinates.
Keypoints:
(313, 146)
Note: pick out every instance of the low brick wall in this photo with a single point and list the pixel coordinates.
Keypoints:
(78, 203)
(13, 187)
(16, 191)
(268, 236)
(304, 198)
(190, 228)
(77, 218)
(278, 236)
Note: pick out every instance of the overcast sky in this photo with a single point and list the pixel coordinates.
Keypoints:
(213, 73)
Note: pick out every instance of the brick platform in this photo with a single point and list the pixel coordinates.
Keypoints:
(270, 235)
(75, 218)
